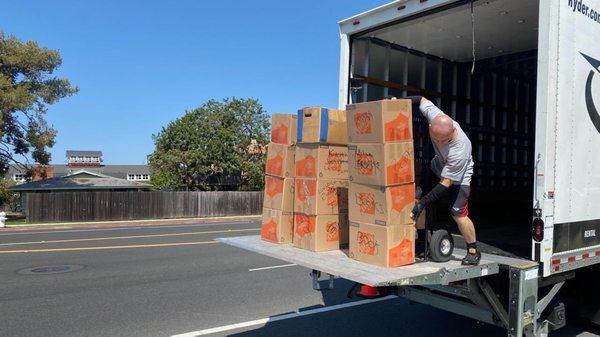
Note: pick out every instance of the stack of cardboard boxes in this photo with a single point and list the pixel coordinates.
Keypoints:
(382, 188)
(321, 180)
(278, 205)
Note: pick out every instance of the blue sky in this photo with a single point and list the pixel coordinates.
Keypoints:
(141, 64)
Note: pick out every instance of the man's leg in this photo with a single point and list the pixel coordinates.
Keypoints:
(467, 229)
(460, 213)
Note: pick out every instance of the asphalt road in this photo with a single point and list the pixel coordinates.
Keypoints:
(169, 280)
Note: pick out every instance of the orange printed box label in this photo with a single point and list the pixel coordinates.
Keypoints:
(329, 194)
(273, 186)
(305, 188)
(304, 224)
(365, 163)
(333, 231)
(402, 254)
(366, 203)
(402, 196)
(275, 165)
(279, 134)
(268, 231)
(363, 121)
(366, 243)
(306, 167)
(335, 160)
(398, 129)
(401, 171)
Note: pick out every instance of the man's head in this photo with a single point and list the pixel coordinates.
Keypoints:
(441, 129)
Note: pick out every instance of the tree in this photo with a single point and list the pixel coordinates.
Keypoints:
(218, 140)
(7, 196)
(27, 87)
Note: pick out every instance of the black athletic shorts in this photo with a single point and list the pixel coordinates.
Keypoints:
(459, 200)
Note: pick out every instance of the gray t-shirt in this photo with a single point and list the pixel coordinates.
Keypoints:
(452, 160)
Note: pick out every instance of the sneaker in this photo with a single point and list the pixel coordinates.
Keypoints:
(471, 259)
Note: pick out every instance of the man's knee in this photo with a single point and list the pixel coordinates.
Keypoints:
(459, 212)
(462, 220)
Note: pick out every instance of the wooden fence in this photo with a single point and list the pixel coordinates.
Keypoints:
(102, 206)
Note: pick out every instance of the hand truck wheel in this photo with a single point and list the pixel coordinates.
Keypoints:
(441, 245)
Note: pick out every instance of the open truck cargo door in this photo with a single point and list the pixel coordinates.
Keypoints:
(570, 144)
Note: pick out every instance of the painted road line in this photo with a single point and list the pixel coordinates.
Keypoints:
(273, 267)
(25, 232)
(127, 237)
(280, 318)
(106, 247)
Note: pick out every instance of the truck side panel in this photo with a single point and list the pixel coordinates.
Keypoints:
(575, 187)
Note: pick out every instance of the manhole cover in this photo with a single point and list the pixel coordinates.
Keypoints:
(56, 269)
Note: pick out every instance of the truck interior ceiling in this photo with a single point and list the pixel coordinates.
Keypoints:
(493, 99)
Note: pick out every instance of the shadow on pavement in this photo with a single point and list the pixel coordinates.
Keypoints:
(394, 317)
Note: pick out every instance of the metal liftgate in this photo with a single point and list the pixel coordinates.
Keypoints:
(469, 294)
(337, 263)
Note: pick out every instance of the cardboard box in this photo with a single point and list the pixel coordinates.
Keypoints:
(321, 161)
(386, 206)
(381, 164)
(280, 160)
(380, 121)
(279, 193)
(277, 226)
(320, 196)
(322, 125)
(320, 232)
(283, 129)
(384, 246)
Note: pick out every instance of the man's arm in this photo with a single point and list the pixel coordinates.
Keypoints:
(436, 193)
(425, 106)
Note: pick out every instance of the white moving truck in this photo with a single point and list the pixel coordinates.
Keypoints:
(522, 77)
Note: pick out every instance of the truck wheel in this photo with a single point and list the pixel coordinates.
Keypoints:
(441, 245)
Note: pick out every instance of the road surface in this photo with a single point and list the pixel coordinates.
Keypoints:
(173, 280)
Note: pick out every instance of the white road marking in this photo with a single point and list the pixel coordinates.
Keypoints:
(50, 231)
(280, 318)
(273, 267)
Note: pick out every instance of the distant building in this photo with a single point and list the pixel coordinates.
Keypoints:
(90, 161)
(81, 180)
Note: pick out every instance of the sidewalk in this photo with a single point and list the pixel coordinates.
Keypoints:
(128, 223)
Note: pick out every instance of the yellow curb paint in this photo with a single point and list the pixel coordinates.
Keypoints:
(107, 247)
(128, 237)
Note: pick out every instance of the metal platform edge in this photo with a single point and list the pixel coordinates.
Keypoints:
(438, 273)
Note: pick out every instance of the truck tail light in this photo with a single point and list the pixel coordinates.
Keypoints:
(538, 229)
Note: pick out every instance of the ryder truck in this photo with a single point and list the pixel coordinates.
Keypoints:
(522, 77)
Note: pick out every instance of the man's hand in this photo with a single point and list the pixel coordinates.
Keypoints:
(416, 211)
(416, 100)
(436, 193)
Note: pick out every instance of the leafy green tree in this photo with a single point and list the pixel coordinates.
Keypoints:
(7, 196)
(218, 140)
(27, 87)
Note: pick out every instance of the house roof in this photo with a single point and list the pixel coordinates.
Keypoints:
(80, 180)
(71, 153)
(117, 171)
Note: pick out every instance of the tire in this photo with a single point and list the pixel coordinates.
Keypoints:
(441, 246)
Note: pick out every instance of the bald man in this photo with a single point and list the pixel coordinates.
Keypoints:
(453, 164)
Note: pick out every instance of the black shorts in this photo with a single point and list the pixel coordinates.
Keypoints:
(459, 200)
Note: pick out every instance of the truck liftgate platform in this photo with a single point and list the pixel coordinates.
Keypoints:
(464, 290)
(337, 263)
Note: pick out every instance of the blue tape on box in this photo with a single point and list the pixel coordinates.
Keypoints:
(324, 122)
(300, 124)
